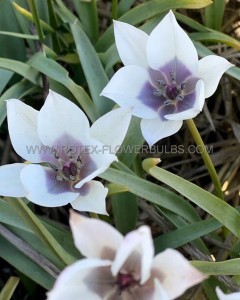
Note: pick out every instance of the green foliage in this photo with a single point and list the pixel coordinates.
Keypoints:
(69, 47)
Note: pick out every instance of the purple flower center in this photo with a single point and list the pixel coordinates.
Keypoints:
(68, 168)
(171, 92)
(125, 281)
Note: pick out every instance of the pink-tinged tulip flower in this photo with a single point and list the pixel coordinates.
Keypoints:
(162, 80)
(121, 268)
(222, 296)
(66, 153)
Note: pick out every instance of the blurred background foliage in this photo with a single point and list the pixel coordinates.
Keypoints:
(68, 46)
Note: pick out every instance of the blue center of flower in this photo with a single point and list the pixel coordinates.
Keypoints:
(68, 169)
(170, 92)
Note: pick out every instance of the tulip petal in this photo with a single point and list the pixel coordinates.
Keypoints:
(155, 292)
(97, 160)
(43, 189)
(222, 296)
(22, 126)
(131, 44)
(72, 293)
(92, 198)
(60, 117)
(74, 279)
(175, 272)
(10, 183)
(138, 241)
(156, 129)
(168, 42)
(211, 69)
(126, 87)
(94, 238)
(111, 128)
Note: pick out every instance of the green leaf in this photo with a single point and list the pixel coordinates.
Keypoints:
(17, 91)
(88, 16)
(20, 68)
(216, 37)
(185, 234)
(228, 267)
(92, 67)
(55, 71)
(214, 14)
(24, 264)
(35, 224)
(125, 211)
(9, 288)
(20, 35)
(222, 211)
(152, 192)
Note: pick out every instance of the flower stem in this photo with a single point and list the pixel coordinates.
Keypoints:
(93, 215)
(206, 158)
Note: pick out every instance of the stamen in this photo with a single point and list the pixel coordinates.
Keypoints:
(54, 168)
(161, 83)
(55, 154)
(182, 86)
(180, 97)
(168, 102)
(173, 77)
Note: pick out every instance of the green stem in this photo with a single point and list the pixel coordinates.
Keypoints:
(94, 15)
(93, 215)
(114, 9)
(206, 158)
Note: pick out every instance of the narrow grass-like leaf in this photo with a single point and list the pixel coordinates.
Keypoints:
(24, 264)
(145, 11)
(88, 16)
(35, 224)
(219, 209)
(92, 67)
(18, 91)
(216, 37)
(228, 267)
(125, 211)
(20, 68)
(9, 288)
(20, 35)
(214, 14)
(153, 193)
(186, 234)
(30, 17)
(55, 71)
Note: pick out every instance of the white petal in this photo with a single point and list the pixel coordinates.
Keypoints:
(131, 44)
(99, 160)
(211, 69)
(43, 189)
(92, 198)
(73, 280)
(177, 274)
(152, 293)
(125, 89)
(73, 293)
(92, 236)
(58, 118)
(156, 129)
(10, 183)
(22, 126)
(111, 128)
(222, 296)
(139, 240)
(168, 41)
